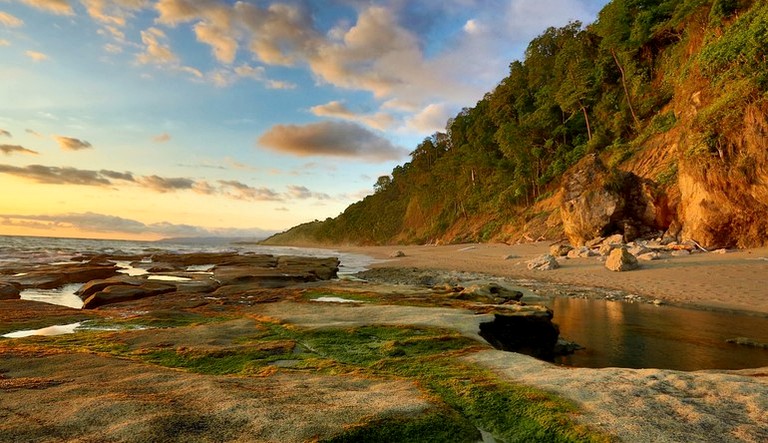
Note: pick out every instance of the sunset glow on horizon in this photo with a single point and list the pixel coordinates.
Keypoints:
(149, 119)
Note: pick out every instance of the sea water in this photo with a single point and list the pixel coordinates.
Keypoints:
(16, 250)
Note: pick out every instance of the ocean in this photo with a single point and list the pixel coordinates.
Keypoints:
(15, 250)
(42, 250)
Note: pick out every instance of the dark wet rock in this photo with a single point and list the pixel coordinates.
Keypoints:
(490, 293)
(55, 276)
(321, 268)
(527, 333)
(565, 347)
(121, 293)
(9, 291)
(95, 286)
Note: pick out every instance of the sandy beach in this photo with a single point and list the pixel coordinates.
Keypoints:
(736, 280)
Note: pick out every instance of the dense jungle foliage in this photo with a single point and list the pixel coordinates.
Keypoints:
(605, 89)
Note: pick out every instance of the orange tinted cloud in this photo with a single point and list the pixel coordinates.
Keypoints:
(337, 139)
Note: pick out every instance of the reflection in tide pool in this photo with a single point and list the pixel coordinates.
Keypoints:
(50, 330)
(636, 335)
(64, 296)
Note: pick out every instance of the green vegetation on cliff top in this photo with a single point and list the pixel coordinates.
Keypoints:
(607, 89)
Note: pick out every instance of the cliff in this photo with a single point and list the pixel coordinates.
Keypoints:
(652, 121)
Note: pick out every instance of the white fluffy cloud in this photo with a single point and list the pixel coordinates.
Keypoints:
(337, 109)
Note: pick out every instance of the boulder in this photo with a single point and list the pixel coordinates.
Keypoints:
(649, 256)
(560, 250)
(638, 250)
(397, 254)
(596, 200)
(543, 263)
(615, 239)
(605, 249)
(621, 260)
(582, 252)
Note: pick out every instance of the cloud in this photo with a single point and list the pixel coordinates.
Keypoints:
(280, 34)
(4, 42)
(36, 56)
(102, 223)
(337, 109)
(241, 191)
(10, 21)
(162, 138)
(11, 149)
(224, 46)
(125, 176)
(431, 119)
(113, 12)
(156, 50)
(33, 132)
(4, 133)
(279, 84)
(71, 144)
(60, 176)
(163, 185)
(302, 193)
(338, 139)
(58, 7)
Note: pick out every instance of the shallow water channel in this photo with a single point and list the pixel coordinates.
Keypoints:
(640, 335)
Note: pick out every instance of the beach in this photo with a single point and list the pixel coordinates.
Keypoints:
(734, 280)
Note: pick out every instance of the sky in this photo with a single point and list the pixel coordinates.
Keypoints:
(147, 119)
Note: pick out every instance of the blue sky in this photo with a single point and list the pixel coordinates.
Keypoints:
(150, 119)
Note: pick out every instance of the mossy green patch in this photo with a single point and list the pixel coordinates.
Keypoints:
(430, 357)
(159, 319)
(434, 426)
(85, 341)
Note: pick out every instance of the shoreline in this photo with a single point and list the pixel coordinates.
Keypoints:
(733, 282)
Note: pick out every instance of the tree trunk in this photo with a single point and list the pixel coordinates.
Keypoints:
(586, 119)
(626, 90)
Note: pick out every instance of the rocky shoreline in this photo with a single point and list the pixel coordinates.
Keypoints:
(265, 341)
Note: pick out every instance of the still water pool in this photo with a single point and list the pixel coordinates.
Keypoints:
(638, 335)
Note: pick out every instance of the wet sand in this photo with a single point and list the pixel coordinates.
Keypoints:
(736, 280)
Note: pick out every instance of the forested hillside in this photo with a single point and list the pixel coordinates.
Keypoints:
(674, 92)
